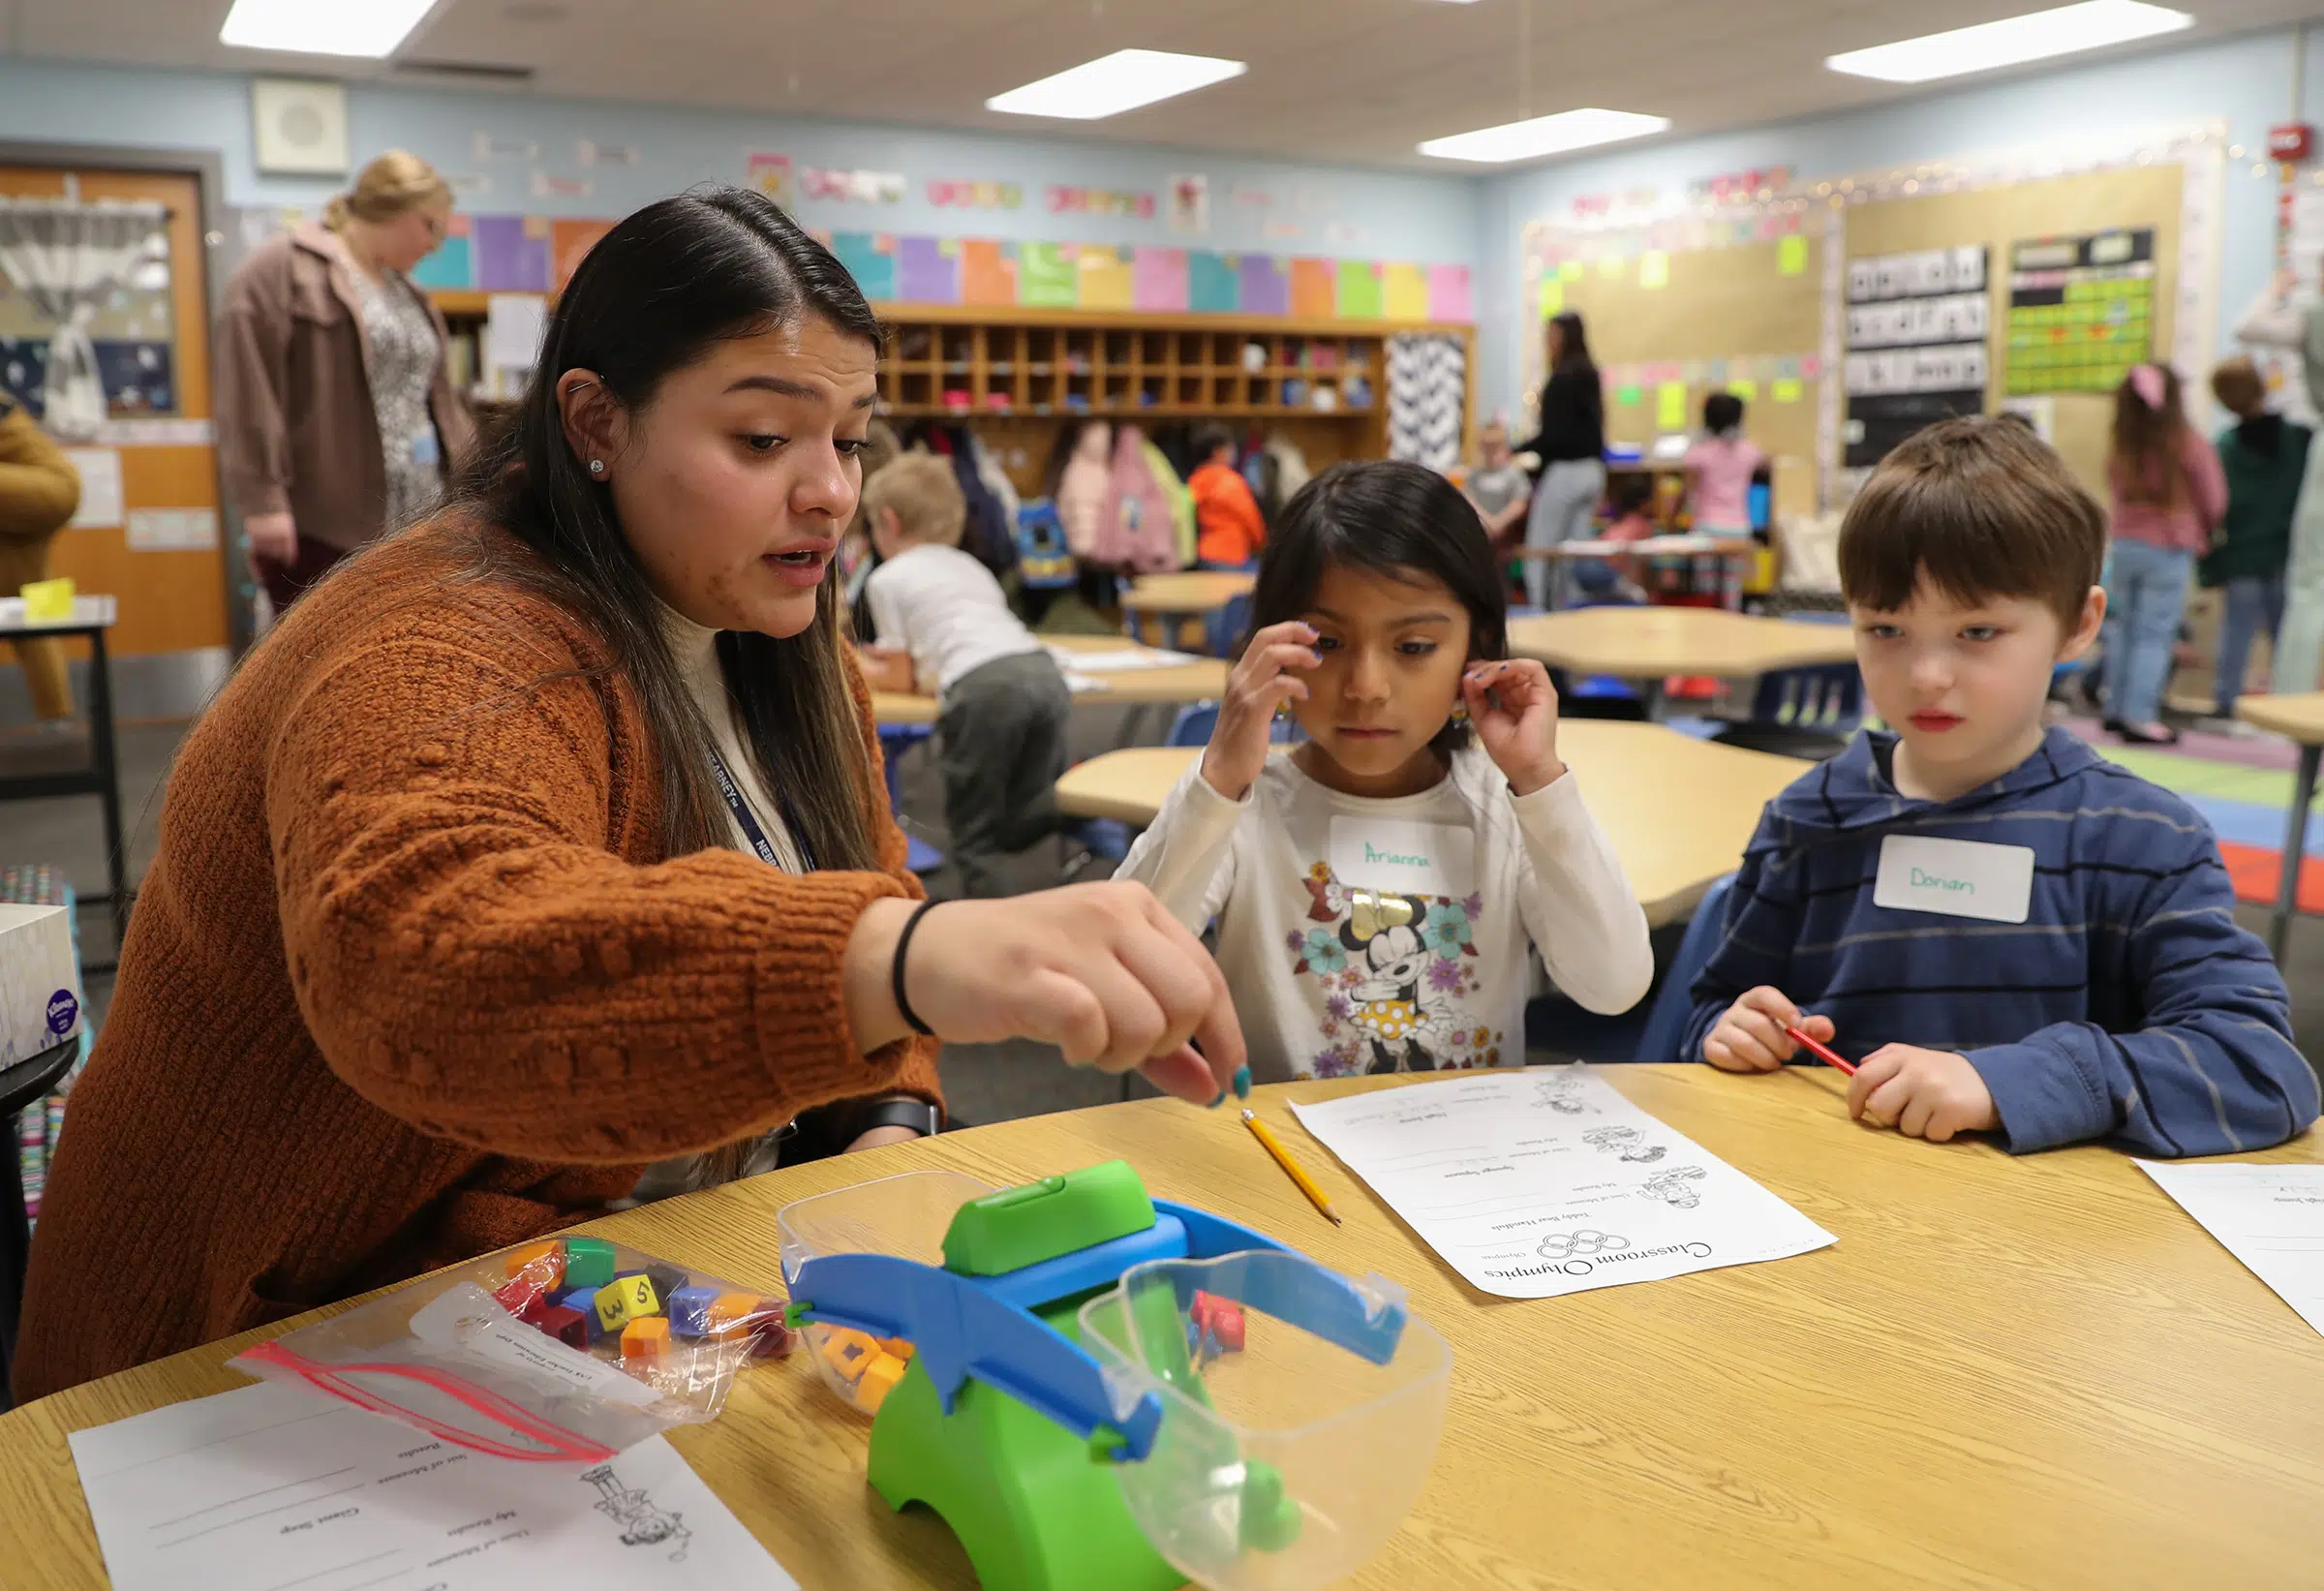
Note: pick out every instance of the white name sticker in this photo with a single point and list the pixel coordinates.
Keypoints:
(1404, 858)
(1955, 878)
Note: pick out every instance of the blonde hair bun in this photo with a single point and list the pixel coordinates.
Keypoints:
(396, 182)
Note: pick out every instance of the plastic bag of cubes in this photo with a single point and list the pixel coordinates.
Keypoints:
(562, 1351)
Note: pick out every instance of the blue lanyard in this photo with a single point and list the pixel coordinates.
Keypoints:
(743, 816)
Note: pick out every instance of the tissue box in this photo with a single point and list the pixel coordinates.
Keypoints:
(40, 988)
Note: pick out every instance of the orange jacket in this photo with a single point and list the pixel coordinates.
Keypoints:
(1229, 528)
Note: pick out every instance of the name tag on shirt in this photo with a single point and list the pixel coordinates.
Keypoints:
(1955, 878)
(1404, 858)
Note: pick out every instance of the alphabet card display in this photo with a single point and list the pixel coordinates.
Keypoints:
(1917, 331)
(1544, 1181)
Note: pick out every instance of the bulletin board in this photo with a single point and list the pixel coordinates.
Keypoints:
(2110, 200)
(1704, 320)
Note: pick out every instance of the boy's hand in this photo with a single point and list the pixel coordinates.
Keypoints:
(1259, 685)
(1922, 1093)
(886, 667)
(1750, 1036)
(1514, 707)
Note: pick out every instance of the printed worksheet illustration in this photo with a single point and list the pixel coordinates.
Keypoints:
(1538, 1184)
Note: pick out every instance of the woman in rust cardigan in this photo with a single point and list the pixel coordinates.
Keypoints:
(548, 841)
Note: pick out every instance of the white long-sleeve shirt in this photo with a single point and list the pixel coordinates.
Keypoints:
(1361, 935)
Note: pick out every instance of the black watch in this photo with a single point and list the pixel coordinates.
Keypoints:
(918, 1114)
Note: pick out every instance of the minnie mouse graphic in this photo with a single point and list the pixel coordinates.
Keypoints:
(1392, 1007)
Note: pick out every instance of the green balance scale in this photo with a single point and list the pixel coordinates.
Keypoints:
(1094, 1388)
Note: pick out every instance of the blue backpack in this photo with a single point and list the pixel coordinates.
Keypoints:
(1043, 562)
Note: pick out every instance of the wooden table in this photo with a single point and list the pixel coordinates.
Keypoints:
(1168, 605)
(1200, 680)
(91, 617)
(1678, 810)
(2034, 1373)
(2301, 718)
(1649, 644)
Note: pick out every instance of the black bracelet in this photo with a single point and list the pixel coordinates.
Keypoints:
(904, 942)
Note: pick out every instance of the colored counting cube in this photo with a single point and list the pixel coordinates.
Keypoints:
(569, 1327)
(1222, 1318)
(666, 1280)
(645, 1339)
(522, 1298)
(542, 1262)
(689, 1310)
(740, 1311)
(587, 1262)
(878, 1380)
(850, 1353)
(623, 1299)
(896, 1347)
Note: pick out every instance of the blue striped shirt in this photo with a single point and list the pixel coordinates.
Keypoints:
(2128, 1006)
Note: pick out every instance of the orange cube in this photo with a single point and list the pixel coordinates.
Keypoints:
(732, 1311)
(540, 1264)
(878, 1380)
(896, 1346)
(646, 1339)
(850, 1352)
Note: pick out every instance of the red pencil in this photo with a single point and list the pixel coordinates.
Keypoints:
(1819, 1052)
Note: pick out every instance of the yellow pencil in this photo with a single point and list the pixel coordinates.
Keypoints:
(1291, 1168)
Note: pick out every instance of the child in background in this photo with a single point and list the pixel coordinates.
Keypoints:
(1499, 489)
(2263, 458)
(944, 623)
(1632, 500)
(1229, 531)
(1375, 890)
(2009, 934)
(2168, 496)
(1720, 466)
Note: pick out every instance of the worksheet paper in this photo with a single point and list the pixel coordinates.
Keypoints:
(1128, 660)
(1536, 1183)
(2269, 1218)
(274, 1488)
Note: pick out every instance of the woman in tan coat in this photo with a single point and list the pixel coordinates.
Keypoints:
(39, 491)
(336, 419)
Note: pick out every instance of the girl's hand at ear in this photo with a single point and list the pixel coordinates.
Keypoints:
(1260, 683)
(1513, 709)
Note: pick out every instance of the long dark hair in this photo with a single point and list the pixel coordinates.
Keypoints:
(1391, 518)
(1574, 354)
(653, 296)
(2145, 440)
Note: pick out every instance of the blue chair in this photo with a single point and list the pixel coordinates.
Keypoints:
(894, 739)
(1803, 712)
(1650, 1030)
(1194, 724)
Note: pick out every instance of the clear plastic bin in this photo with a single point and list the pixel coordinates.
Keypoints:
(904, 1217)
(1284, 1460)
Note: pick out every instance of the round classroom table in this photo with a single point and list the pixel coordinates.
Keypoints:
(1196, 680)
(1649, 643)
(1676, 809)
(2034, 1372)
(1193, 592)
(2300, 718)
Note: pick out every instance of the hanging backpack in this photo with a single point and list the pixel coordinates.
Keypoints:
(1181, 504)
(1138, 530)
(1043, 560)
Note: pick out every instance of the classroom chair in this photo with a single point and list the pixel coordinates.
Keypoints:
(1649, 1032)
(1808, 713)
(894, 739)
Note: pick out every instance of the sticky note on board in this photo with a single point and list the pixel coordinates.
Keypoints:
(1654, 270)
(1670, 405)
(1785, 390)
(1629, 396)
(1746, 391)
(1554, 297)
(1570, 271)
(1791, 256)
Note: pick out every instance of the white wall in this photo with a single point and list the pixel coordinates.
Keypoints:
(1340, 212)
(2245, 82)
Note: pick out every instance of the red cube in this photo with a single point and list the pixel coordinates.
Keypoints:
(524, 1298)
(569, 1327)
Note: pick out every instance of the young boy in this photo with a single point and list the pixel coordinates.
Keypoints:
(1497, 486)
(2009, 934)
(943, 621)
(1228, 528)
(2264, 458)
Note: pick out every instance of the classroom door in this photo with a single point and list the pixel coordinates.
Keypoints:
(157, 546)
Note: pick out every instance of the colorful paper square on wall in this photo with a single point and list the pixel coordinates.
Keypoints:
(1159, 281)
(1045, 276)
(1407, 293)
(1361, 294)
(1213, 287)
(1106, 277)
(570, 241)
(507, 259)
(1263, 287)
(1448, 294)
(1314, 288)
(871, 259)
(452, 263)
(926, 273)
(988, 272)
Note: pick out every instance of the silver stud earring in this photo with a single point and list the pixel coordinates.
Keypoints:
(597, 466)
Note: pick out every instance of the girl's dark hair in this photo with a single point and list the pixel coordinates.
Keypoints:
(656, 294)
(1392, 518)
(2145, 463)
(1575, 352)
(1721, 412)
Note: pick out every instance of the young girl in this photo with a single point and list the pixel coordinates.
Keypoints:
(2168, 494)
(1376, 888)
(1720, 465)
